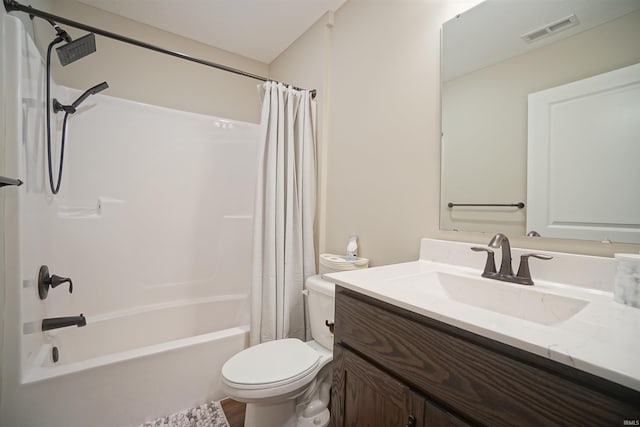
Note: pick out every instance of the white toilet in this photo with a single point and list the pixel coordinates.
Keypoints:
(286, 383)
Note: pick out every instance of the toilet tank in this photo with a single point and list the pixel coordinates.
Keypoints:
(320, 303)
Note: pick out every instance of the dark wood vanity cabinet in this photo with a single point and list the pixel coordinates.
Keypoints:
(393, 367)
(374, 398)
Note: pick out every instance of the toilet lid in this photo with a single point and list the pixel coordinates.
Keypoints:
(279, 361)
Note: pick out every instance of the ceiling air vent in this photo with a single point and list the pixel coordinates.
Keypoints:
(551, 28)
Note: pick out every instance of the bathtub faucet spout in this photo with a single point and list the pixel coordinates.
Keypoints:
(61, 322)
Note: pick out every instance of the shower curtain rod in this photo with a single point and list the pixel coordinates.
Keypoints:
(12, 5)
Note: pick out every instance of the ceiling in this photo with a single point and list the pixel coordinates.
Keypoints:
(491, 31)
(258, 29)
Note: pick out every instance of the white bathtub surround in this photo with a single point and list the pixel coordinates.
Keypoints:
(627, 282)
(207, 415)
(283, 247)
(153, 224)
(568, 316)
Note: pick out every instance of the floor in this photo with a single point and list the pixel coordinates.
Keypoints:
(234, 411)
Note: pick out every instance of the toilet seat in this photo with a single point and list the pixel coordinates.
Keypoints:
(271, 365)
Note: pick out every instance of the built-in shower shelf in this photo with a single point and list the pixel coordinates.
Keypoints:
(94, 211)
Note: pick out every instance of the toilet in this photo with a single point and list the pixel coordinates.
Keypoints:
(286, 383)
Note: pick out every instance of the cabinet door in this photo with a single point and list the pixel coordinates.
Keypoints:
(364, 396)
(435, 416)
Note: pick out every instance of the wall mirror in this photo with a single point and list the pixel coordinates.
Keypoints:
(494, 56)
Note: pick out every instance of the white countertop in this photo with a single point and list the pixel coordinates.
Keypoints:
(603, 338)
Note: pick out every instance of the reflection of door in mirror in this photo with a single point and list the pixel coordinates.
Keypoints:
(488, 70)
(584, 158)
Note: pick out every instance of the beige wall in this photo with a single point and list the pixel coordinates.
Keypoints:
(382, 123)
(383, 120)
(142, 75)
(305, 64)
(382, 132)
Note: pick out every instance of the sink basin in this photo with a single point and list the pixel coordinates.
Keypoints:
(527, 303)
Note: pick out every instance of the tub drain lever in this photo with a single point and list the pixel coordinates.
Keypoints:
(45, 281)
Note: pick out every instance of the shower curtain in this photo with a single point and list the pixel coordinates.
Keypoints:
(283, 246)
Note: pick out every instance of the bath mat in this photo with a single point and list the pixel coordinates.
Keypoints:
(207, 415)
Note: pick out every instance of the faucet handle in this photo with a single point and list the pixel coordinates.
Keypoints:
(523, 270)
(56, 280)
(46, 281)
(490, 265)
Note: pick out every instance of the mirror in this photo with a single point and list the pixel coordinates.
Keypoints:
(493, 57)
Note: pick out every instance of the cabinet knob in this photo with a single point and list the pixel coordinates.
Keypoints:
(411, 421)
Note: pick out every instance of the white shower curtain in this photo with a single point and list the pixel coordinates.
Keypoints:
(283, 249)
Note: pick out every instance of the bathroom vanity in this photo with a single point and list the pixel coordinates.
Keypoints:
(410, 350)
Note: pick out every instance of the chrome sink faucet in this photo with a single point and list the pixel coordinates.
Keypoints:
(523, 277)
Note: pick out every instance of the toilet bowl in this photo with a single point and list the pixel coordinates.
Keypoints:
(285, 383)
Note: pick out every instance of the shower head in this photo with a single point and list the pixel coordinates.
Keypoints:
(76, 49)
(91, 91)
(70, 109)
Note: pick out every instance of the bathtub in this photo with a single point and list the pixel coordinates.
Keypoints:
(122, 369)
(153, 223)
